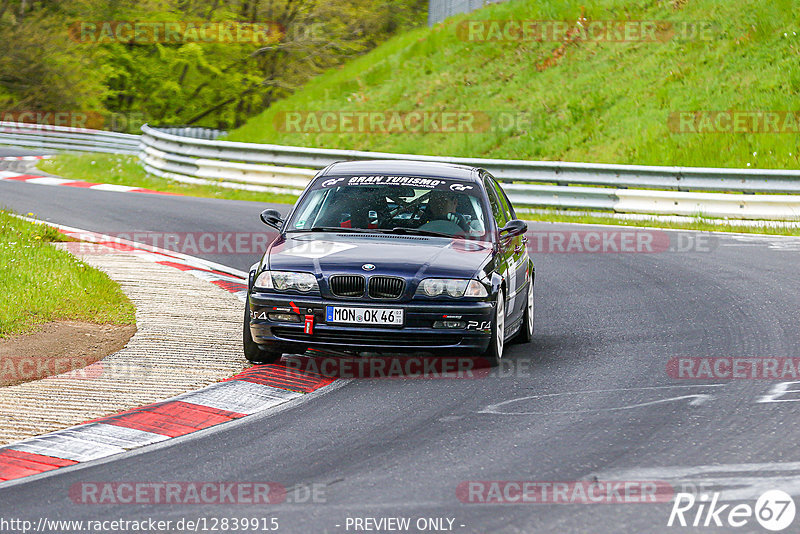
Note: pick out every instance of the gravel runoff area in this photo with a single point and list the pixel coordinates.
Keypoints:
(189, 336)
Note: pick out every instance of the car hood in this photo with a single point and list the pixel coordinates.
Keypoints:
(412, 257)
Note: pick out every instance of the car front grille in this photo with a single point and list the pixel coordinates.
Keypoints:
(375, 338)
(386, 287)
(347, 285)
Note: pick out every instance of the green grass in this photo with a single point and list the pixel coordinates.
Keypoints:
(126, 170)
(40, 284)
(699, 224)
(605, 102)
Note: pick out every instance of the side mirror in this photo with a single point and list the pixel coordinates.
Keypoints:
(272, 218)
(514, 228)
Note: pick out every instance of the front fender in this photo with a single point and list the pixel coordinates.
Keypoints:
(497, 283)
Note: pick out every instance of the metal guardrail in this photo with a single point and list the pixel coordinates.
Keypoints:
(592, 186)
(195, 132)
(65, 138)
(733, 193)
(438, 10)
(551, 172)
(171, 156)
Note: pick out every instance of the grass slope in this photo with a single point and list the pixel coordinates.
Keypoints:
(594, 101)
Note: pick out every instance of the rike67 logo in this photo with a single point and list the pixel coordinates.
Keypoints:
(774, 510)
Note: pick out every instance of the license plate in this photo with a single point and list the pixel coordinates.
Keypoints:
(380, 316)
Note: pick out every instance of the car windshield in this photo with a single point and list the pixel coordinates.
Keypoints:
(400, 204)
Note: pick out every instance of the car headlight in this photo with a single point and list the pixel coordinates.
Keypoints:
(285, 280)
(452, 287)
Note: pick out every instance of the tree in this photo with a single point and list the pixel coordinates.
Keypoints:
(219, 84)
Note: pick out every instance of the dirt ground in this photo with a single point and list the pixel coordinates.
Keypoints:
(59, 347)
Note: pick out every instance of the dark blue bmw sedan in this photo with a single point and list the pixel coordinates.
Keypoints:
(393, 256)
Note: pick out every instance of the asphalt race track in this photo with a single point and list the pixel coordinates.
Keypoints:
(589, 399)
(14, 151)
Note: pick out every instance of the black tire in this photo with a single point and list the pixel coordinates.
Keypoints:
(494, 352)
(252, 352)
(526, 328)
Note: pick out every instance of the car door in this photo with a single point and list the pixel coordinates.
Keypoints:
(518, 264)
(505, 246)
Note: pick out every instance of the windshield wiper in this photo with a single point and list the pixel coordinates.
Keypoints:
(395, 230)
(331, 229)
(417, 231)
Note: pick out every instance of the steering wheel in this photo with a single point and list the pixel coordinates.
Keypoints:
(459, 219)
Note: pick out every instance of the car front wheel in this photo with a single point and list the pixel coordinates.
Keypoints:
(494, 352)
(252, 352)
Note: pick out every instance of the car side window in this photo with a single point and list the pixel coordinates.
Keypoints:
(511, 210)
(497, 208)
(507, 209)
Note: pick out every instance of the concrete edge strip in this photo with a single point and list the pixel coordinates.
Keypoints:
(68, 466)
(52, 180)
(24, 158)
(250, 392)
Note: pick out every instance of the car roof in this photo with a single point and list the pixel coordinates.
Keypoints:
(403, 168)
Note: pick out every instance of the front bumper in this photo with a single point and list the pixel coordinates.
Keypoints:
(416, 335)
